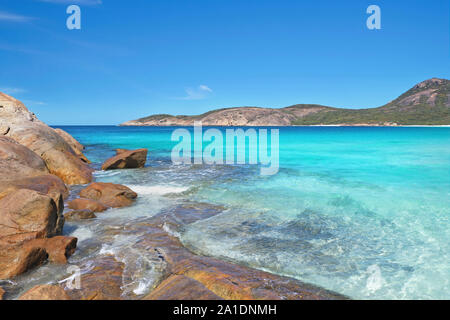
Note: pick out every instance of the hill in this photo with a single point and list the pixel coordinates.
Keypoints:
(427, 103)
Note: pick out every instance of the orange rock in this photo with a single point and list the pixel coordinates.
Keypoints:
(15, 259)
(58, 248)
(2, 293)
(103, 282)
(59, 157)
(18, 161)
(26, 129)
(110, 194)
(27, 215)
(181, 288)
(212, 276)
(28, 252)
(80, 215)
(47, 184)
(45, 292)
(29, 211)
(126, 159)
(87, 204)
(76, 146)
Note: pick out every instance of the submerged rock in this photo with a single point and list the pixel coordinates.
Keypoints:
(178, 287)
(126, 159)
(87, 204)
(109, 194)
(45, 292)
(79, 215)
(103, 282)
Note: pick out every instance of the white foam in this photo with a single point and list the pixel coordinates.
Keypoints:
(157, 190)
(82, 234)
(103, 174)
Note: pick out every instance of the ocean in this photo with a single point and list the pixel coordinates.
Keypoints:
(362, 211)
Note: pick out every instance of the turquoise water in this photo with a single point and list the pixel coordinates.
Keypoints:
(361, 211)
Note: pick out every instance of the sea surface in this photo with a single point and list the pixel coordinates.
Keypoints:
(361, 211)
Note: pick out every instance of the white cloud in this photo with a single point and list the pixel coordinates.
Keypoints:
(204, 88)
(33, 102)
(10, 91)
(199, 93)
(12, 17)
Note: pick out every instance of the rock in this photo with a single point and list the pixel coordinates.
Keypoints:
(103, 282)
(26, 216)
(76, 146)
(119, 151)
(178, 287)
(45, 292)
(79, 215)
(126, 159)
(15, 259)
(2, 293)
(210, 276)
(13, 111)
(28, 211)
(24, 127)
(87, 204)
(59, 157)
(20, 254)
(58, 248)
(47, 184)
(17, 161)
(4, 130)
(111, 195)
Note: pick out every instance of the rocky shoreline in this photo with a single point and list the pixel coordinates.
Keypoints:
(39, 164)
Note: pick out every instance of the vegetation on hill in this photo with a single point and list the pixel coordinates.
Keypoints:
(427, 103)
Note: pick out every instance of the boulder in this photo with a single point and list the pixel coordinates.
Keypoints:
(27, 211)
(2, 293)
(58, 248)
(59, 157)
(16, 259)
(27, 215)
(75, 215)
(20, 254)
(47, 184)
(87, 204)
(126, 159)
(17, 161)
(45, 292)
(76, 146)
(110, 194)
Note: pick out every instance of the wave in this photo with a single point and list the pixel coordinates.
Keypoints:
(157, 190)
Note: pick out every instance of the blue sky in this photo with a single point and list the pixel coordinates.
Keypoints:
(135, 58)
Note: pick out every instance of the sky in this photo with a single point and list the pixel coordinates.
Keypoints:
(134, 58)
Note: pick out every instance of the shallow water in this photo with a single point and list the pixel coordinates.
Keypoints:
(361, 211)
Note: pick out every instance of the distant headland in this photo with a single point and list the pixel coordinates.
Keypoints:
(427, 103)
